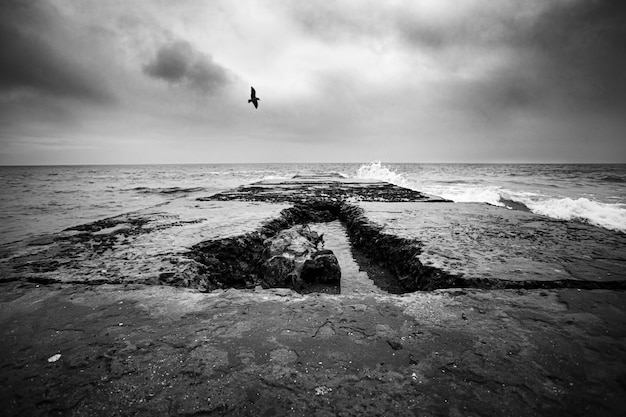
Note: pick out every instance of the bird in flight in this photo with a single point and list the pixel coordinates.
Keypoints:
(253, 98)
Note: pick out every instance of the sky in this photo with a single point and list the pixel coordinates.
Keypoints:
(161, 81)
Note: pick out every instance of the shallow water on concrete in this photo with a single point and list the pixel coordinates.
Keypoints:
(354, 281)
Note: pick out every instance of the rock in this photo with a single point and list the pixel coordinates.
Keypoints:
(273, 258)
(292, 259)
(278, 271)
(323, 267)
(295, 241)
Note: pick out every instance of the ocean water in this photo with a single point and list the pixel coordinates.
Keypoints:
(45, 199)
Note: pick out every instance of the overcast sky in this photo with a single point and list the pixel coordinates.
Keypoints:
(161, 81)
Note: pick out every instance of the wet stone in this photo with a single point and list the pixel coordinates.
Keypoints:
(322, 267)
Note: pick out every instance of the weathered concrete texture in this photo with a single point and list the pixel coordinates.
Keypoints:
(482, 242)
(303, 189)
(145, 246)
(148, 350)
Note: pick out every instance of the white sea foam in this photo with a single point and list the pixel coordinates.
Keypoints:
(452, 191)
(274, 177)
(376, 170)
(608, 215)
(467, 193)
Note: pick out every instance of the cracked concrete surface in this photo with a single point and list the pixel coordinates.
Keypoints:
(146, 350)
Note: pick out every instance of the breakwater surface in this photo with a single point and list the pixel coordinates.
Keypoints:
(343, 294)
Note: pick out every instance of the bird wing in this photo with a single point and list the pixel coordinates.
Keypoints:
(252, 92)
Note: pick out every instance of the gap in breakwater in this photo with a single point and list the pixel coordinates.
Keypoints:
(358, 275)
(368, 260)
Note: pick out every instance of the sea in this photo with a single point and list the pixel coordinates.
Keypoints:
(39, 200)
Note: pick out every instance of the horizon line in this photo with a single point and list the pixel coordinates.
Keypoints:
(309, 163)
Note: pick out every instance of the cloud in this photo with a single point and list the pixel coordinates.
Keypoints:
(375, 73)
(559, 53)
(179, 63)
(515, 56)
(579, 47)
(37, 56)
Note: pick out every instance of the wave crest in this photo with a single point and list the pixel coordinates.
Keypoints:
(471, 194)
(609, 216)
(377, 171)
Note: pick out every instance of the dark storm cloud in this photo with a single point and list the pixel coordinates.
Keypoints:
(580, 47)
(569, 54)
(546, 53)
(34, 56)
(178, 62)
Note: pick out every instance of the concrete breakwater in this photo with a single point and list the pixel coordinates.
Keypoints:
(414, 241)
(318, 295)
(426, 243)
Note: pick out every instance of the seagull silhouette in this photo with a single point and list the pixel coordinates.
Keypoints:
(253, 98)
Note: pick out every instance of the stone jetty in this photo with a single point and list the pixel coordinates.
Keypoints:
(316, 295)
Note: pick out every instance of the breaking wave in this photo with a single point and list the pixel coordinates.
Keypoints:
(274, 177)
(377, 171)
(607, 215)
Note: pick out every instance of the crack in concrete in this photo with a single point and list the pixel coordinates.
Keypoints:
(327, 325)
